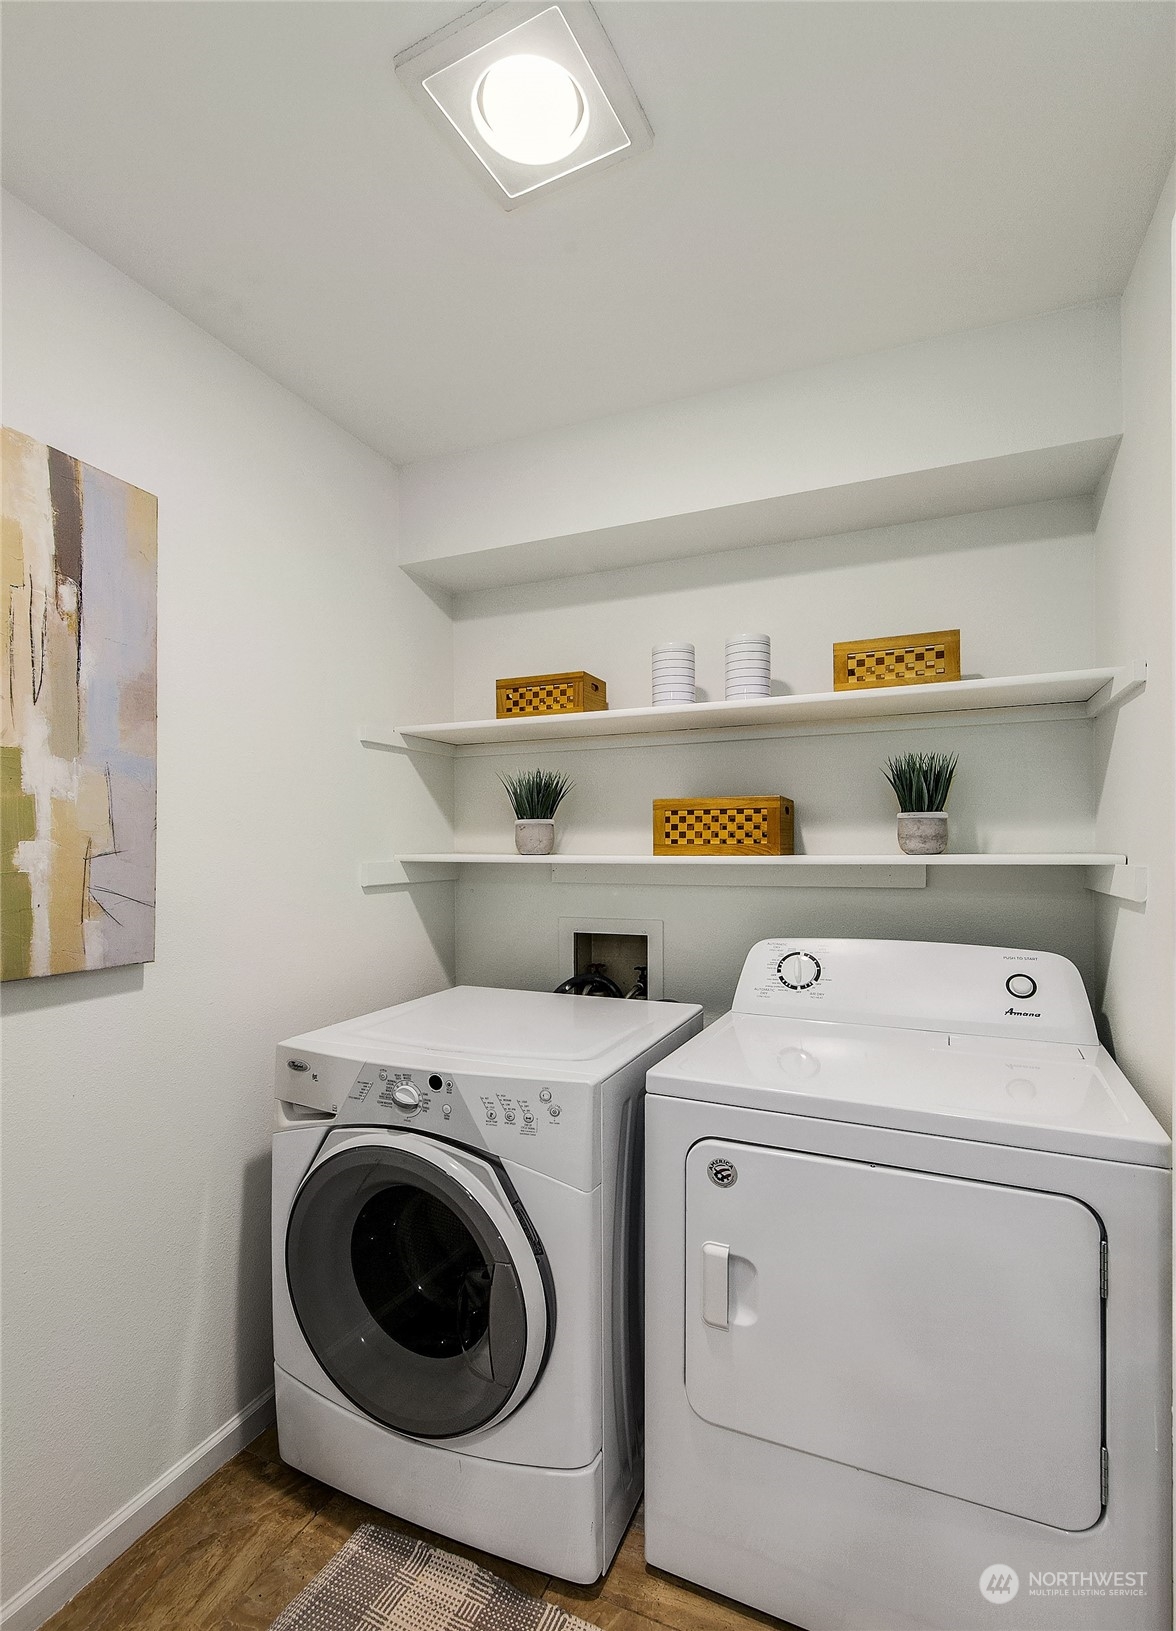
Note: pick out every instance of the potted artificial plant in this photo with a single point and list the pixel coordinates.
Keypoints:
(535, 796)
(921, 782)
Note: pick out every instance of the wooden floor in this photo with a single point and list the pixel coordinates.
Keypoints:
(232, 1555)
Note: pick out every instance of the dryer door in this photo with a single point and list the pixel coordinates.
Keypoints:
(936, 1330)
(416, 1285)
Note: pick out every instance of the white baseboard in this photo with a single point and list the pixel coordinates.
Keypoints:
(52, 1589)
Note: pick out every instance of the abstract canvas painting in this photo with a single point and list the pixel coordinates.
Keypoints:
(77, 732)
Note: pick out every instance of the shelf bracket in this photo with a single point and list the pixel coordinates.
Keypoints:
(1122, 882)
(1128, 682)
(395, 875)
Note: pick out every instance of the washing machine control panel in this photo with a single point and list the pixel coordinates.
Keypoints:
(499, 1114)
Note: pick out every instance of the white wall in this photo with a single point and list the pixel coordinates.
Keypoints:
(1134, 751)
(1018, 582)
(137, 1101)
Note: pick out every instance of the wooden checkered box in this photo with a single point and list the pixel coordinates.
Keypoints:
(723, 826)
(901, 659)
(574, 693)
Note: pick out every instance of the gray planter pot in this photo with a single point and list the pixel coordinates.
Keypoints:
(922, 832)
(534, 837)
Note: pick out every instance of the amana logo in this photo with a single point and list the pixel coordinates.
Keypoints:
(1023, 1013)
(999, 1583)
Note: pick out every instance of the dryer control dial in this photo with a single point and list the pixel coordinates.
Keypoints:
(406, 1096)
(798, 970)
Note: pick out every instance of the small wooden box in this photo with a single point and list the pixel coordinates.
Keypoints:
(902, 659)
(725, 826)
(575, 693)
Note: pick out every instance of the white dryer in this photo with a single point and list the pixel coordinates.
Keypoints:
(908, 1358)
(456, 1256)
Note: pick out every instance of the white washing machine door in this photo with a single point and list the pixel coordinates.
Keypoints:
(417, 1286)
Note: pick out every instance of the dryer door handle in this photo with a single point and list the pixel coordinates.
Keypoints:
(716, 1298)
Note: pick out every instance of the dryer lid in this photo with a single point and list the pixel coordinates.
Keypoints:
(1044, 1096)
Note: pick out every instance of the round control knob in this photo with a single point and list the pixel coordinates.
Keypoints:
(1022, 986)
(798, 970)
(407, 1096)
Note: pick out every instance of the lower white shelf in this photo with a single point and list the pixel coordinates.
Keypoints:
(1106, 873)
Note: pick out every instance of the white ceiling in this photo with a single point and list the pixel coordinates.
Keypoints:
(826, 179)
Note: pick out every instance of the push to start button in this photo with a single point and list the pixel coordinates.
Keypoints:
(1022, 986)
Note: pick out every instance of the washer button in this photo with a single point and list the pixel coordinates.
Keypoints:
(553, 1110)
(1022, 986)
(545, 1095)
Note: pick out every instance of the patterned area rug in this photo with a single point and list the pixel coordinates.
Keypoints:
(382, 1581)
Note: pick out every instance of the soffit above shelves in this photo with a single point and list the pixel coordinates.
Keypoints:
(985, 419)
(1068, 471)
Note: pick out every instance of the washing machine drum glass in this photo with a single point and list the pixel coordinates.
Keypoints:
(406, 1292)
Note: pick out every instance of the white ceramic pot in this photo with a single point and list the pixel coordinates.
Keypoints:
(534, 837)
(922, 832)
(673, 674)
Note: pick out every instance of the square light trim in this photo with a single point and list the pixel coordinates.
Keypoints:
(446, 73)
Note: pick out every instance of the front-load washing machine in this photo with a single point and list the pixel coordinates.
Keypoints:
(456, 1251)
(908, 1358)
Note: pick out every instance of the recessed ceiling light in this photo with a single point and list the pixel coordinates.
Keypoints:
(535, 92)
(530, 109)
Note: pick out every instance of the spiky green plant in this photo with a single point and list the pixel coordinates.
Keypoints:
(921, 781)
(536, 794)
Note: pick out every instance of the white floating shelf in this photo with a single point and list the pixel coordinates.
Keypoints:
(1092, 690)
(1106, 873)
